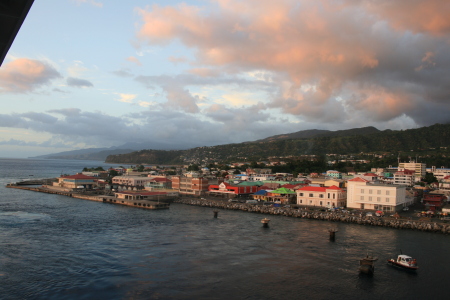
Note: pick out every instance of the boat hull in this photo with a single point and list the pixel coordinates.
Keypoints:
(396, 264)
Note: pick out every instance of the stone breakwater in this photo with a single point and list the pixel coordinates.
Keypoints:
(325, 216)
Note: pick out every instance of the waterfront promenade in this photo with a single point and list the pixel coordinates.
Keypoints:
(337, 216)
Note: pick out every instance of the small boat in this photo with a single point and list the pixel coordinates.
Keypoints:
(404, 261)
(366, 265)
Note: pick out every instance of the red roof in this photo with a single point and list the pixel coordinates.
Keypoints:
(318, 188)
(359, 179)
(371, 174)
(78, 176)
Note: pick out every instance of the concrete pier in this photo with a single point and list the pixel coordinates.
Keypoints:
(100, 198)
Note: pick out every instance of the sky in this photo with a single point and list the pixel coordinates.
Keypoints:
(92, 73)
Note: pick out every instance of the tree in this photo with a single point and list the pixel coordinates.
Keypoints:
(429, 178)
(113, 173)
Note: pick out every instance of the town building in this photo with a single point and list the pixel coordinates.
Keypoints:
(158, 183)
(405, 177)
(362, 194)
(434, 201)
(227, 190)
(334, 174)
(77, 181)
(330, 197)
(418, 168)
(130, 182)
(193, 186)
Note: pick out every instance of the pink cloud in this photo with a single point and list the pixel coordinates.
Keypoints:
(332, 46)
(25, 75)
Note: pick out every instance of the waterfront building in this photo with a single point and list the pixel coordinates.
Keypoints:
(434, 201)
(130, 182)
(76, 181)
(158, 183)
(282, 195)
(321, 196)
(227, 190)
(193, 186)
(362, 194)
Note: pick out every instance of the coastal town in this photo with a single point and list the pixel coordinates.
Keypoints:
(398, 192)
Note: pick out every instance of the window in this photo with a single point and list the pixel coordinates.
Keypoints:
(362, 191)
(387, 192)
(301, 201)
(320, 203)
(378, 199)
(370, 198)
(370, 191)
(379, 192)
(311, 195)
(320, 195)
(387, 199)
(328, 195)
(362, 198)
(301, 194)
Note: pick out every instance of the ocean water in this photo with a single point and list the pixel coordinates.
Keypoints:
(56, 247)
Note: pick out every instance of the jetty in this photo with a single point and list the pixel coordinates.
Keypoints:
(162, 203)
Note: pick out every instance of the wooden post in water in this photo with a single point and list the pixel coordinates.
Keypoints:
(265, 222)
(332, 232)
(215, 213)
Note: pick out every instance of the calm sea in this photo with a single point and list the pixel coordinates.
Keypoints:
(55, 247)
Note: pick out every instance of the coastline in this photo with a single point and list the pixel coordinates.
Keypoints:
(343, 217)
(428, 226)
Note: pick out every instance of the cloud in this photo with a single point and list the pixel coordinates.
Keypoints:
(78, 82)
(134, 60)
(329, 61)
(24, 75)
(126, 98)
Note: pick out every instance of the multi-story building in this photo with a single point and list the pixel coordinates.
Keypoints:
(194, 186)
(434, 201)
(405, 177)
(439, 173)
(130, 182)
(361, 194)
(419, 168)
(321, 196)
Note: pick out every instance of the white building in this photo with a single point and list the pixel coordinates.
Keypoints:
(439, 173)
(361, 194)
(405, 177)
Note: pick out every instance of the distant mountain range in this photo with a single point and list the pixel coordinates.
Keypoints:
(357, 140)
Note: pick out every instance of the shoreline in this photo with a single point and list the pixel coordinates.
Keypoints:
(400, 223)
(348, 217)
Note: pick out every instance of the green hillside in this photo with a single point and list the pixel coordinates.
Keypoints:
(356, 141)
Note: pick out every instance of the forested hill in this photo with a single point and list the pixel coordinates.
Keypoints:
(312, 133)
(434, 136)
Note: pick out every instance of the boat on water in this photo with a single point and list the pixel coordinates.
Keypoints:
(366, 265)
(404, 261)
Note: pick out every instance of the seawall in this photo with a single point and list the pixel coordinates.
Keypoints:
(325, 216)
